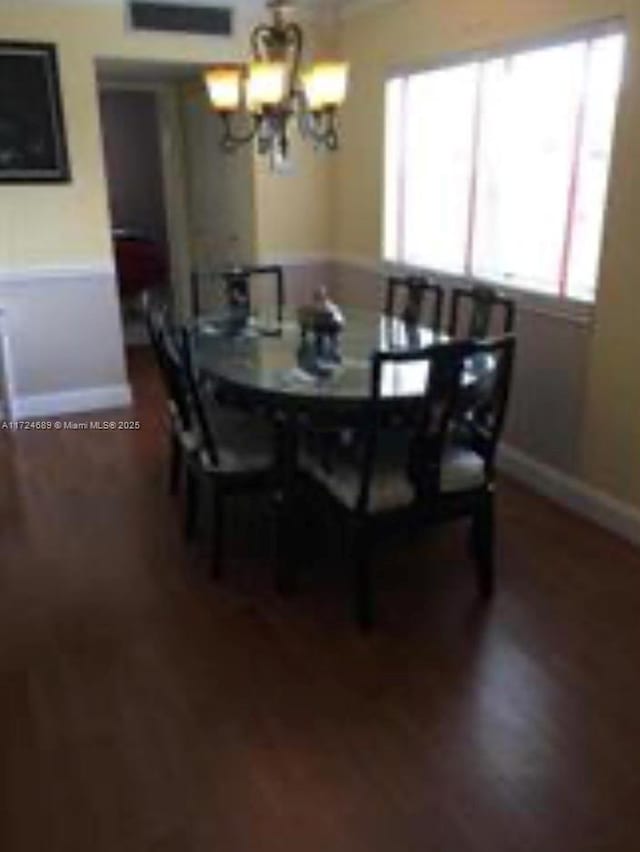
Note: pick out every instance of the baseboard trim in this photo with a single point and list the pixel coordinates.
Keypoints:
(572, 493)
(71, 402)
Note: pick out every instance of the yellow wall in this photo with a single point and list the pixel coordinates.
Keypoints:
(292, 210)
(418, 31)
(68, 224)
(336, 205)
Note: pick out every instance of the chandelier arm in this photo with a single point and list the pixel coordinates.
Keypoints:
(295, 40)
(260, 36)
(231, 139)
(301, 113)
(322, 129)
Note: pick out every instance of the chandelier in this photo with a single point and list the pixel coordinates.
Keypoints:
(261, 100)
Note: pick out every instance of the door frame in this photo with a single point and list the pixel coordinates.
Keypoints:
(172, 153)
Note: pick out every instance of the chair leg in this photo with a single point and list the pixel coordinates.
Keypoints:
(191, 502)
(363, 587)
(175, 464)
(217, 540)
(482, 534)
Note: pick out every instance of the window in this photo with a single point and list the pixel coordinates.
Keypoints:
(498, 168)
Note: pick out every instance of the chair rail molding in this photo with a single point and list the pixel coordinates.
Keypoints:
(317, 258)
(36, 274)
(526, 300)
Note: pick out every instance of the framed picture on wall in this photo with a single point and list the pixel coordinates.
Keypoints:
(33, 145)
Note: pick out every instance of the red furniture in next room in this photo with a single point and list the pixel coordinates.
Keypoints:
(140, 263)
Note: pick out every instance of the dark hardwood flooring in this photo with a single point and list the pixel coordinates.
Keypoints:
(145, 709)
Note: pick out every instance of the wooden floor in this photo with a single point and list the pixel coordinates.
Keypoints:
(144, 708)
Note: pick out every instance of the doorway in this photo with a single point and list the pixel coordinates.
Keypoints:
(133, 163)
(181, 209)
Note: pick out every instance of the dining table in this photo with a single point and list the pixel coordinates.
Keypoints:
(265, 369)
(263, 365)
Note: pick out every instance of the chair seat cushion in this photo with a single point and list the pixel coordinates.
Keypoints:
(244, 442)
(189, 441)
(461, 470)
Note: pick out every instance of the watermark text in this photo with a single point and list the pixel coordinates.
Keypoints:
(69, 425)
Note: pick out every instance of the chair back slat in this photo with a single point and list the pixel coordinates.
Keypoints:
(479, 311)
(175, 380)
(167, 355)
(473, 376)
(417, 290)
(194, 293)
(154, 311)
(486, 406)
(193, 382)
(430, 430)
(426, 424)
(245, 276)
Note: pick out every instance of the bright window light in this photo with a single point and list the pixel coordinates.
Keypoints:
(498, 169)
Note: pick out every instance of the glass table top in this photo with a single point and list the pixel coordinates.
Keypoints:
(270, 363)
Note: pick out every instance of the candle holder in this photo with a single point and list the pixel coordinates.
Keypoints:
(321, 324)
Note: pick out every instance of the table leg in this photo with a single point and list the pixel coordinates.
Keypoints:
(286, 461)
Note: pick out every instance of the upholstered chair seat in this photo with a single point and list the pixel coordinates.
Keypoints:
(461, 470)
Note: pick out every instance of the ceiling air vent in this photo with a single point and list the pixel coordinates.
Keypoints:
(181, 18)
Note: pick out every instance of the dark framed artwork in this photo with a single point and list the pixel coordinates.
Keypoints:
(33, 145)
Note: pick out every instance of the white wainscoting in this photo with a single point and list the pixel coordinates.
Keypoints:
(547, 403)
(64, 350)
(546, 414)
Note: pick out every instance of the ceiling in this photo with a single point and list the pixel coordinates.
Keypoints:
(318, 5)
(245, 3)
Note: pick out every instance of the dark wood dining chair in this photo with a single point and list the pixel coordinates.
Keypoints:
(235, 450)
(423, 477)
(244, 279)
(418, 293)
(195, 296)
(229, 449)
(480, 311)
(183, 438)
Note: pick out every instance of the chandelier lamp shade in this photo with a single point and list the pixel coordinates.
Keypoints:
(262, 99)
